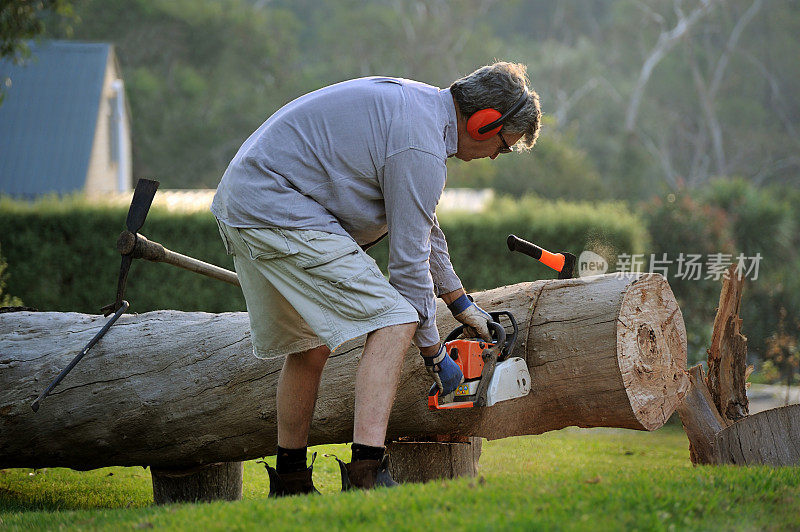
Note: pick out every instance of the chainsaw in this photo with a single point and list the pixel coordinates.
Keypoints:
(491, 375)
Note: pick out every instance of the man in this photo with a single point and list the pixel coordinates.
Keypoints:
(321, 180)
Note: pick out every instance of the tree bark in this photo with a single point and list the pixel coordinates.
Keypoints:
(175, 389)
(700, 419)
(727, 356)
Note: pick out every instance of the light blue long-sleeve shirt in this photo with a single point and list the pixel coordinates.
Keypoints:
(358, 158)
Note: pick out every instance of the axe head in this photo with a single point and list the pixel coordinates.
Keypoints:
(143, 196)
(140, 204)
(567, 272)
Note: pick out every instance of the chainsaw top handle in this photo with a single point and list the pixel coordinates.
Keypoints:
(498, 332)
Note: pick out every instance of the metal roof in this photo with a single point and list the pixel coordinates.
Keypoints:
(48, 117)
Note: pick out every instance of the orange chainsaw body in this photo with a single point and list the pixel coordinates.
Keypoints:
(467, 354)
(478, 360)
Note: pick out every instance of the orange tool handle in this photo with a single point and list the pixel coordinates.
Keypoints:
(553, 260)
(563, 263)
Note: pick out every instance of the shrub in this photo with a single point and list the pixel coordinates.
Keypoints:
(6, 300)
(64, 256)
(477, 242)
(730, 216)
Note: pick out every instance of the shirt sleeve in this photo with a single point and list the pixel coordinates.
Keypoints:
(444, 276)
(412, 183)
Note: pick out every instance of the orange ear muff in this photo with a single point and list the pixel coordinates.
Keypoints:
(480, 119)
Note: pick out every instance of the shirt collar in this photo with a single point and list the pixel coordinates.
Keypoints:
(450, 127)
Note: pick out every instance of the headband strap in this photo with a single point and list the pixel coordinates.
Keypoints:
(508, 114)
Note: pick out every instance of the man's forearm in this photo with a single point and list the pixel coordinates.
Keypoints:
(430, 351)
(449, 297)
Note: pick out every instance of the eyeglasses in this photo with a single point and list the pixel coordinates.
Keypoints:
(506, 148)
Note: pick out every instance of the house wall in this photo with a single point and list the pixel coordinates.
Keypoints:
(109, 157)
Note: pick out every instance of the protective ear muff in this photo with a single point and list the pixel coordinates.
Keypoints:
(486, 123)
(480, 119)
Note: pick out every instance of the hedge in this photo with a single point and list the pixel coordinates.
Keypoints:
(62, 256)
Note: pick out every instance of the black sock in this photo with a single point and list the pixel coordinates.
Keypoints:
(365, 452)
(291, 460)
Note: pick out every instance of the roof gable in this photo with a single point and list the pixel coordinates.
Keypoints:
(48, 117)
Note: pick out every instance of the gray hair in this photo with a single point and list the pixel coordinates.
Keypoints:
(499, 86)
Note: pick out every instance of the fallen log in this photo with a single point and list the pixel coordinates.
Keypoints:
(181, 389)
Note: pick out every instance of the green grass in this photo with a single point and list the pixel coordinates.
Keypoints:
(573, 479)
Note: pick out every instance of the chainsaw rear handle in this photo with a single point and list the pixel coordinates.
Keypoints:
(504, 342)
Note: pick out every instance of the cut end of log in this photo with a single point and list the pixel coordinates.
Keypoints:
(652, 359)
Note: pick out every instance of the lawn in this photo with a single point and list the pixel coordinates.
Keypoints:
(574, 479)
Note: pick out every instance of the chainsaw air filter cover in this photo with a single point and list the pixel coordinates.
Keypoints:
(511, 379)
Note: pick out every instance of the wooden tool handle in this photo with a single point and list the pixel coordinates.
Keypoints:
(198, 266)
(140, 247)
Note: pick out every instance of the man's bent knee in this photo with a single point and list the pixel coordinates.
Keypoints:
(314, 357)
(391, 338)
(401, 329)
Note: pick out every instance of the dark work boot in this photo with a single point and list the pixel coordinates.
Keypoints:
(366, 474)
(299, 483)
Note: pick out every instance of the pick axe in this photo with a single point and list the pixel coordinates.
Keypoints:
(132, 245)
(142, 199)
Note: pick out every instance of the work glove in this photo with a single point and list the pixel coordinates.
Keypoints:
(444, 371)
(474, 317)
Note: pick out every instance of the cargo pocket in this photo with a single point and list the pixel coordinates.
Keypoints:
(351, 285)
(266, 243)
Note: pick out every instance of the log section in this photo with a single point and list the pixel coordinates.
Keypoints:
(175, 389)
(208, 483)
(426, 461)
(770, 437)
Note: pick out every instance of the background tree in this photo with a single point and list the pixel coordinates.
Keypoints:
(21, 21)
(783, 352)
(200, 77)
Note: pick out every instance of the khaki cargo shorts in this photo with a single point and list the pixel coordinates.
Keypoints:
(307, 288)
